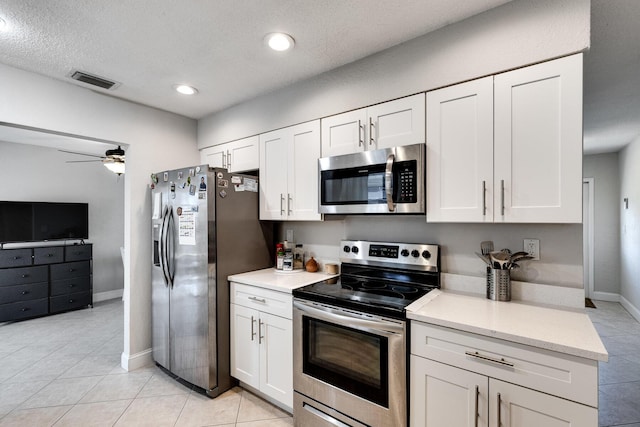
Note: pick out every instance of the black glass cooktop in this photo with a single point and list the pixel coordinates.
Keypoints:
(372, 290)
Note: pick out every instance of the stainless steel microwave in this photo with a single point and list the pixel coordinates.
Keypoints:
(386, 181)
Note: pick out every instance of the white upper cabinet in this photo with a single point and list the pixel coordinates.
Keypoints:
(460, 152)
(538, 142)
(289, 173)
(390, 124)
(508, 148)
(235, 156)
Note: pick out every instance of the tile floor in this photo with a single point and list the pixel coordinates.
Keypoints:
(55, 373)
(64, 370)
(619, 392)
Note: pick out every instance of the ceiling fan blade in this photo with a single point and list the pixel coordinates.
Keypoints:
(81, 154)
(82, 161)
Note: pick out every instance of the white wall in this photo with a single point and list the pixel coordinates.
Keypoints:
(603, 168)
(630, 228)
(518, 33)
(156, 141)
(40, 174)
(513, 35)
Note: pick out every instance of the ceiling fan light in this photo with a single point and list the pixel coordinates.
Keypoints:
(116, 167)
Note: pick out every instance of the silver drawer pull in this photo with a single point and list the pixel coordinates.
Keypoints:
(500, 361)
(256, 299)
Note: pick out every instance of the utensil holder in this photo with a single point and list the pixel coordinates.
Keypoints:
(498, 284)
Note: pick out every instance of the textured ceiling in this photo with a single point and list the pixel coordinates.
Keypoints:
(149, 45)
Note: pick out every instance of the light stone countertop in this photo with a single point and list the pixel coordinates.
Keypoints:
(564, 331)
(278, 280)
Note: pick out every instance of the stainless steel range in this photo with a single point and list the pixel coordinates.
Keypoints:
(350, 340)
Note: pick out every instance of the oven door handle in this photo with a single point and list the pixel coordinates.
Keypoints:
(388, 182)
(379, 326)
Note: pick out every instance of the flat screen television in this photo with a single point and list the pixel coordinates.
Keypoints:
(40, 221)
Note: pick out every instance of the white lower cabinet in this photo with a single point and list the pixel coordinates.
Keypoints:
(261, 341)
(489, 382)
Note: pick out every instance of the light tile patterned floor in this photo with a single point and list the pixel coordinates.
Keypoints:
(619, 392)
(64, 370)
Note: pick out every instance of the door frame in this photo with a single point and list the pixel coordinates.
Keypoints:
(587, 243)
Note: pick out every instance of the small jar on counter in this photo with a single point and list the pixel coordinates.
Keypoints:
(287, 263)
(298, 257)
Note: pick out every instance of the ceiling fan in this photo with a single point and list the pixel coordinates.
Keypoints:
(112, 159)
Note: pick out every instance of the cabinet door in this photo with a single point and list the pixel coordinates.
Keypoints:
(442, 395)
(514, 406)
(276, 358)
(245, 351)
(344, 133)
(304, 151)
(460, 153)
(274, 148)
(242, 155)
(396, 123)
(215, 156)
(538, 143)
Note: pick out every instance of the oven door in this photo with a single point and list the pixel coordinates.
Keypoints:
(351, 362)
(373, 182)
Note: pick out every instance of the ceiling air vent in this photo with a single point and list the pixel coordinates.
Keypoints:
(92, 80)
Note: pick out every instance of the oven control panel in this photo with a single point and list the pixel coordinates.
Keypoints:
(404, 255)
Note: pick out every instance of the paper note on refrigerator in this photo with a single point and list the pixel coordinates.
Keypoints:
(187, 228)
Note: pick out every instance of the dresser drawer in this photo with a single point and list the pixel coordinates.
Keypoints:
(15, 257)
(24, 309)
(266, 300)
(559, 374)
(70, 286)
(77, 252)
(69, 302)
(69, 270)
(15, 293)
(48, 255)
(21, 276)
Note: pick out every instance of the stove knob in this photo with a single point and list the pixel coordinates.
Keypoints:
(347, 249)
(355, 249)
(426, 254)
(404, 252)
(415, 253)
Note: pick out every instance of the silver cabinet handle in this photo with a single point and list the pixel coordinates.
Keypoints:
(260, 336)
(477, 415)
(224, 157)
(500, 361)
(499, 404)
(253, 333)
(360, 132)
(484, 198)
(371, 126)
(281, 204)
(256, 299)
(388, 182)
(228, 158)
(502, 196)
(289, 200)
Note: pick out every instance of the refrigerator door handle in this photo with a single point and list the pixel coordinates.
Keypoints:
(163, 246)
(171, 250)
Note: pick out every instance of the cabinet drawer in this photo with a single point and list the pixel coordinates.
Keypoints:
(21, 276)
(77, 252)
(48, 255)
(24, 309)
(266, 300)
(30, 291)
(70, 270)
(15, 257)
(69, 302)
(559, 374)
(70, 286)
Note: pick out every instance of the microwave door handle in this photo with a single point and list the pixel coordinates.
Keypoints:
(388, 182)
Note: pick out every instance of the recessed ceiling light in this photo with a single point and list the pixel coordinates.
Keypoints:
(186, 90)
(279, 41)
(3, 24)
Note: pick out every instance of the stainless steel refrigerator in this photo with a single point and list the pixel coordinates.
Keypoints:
(205, 228)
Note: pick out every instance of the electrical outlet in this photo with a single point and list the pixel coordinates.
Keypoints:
(289, 236)
(532, 247)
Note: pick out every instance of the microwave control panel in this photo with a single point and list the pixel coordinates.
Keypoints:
(406, 181)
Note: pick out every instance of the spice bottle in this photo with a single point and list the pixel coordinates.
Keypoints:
(279, 256)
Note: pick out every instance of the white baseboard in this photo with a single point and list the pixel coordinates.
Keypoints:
(630, 308)
(605, 296)
(103, 296)
(137, 360)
